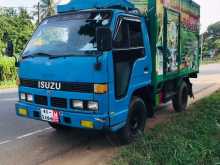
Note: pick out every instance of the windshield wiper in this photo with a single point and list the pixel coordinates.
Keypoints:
(60, 56)
(38, 54)
(73, 54)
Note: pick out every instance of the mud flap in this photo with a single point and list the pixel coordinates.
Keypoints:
(190, 87)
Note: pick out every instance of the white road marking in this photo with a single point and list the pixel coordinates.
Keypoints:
(4, 91)
(9, 99)
(26, 135)
(5, 142)
(33, 133)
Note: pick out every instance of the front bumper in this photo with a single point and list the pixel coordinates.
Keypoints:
(71, 119)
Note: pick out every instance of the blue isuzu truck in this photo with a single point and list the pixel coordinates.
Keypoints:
(107, 64)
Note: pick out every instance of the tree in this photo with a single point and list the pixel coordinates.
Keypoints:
(47, 8)
(214, 29)
(211, 46)
(18, 25)
(23, 14)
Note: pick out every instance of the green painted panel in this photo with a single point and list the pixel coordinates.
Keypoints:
(142, 5)
(188, 58)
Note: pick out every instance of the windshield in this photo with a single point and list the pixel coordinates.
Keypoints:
(70, 34)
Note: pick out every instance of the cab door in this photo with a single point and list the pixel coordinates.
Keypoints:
(131, 67)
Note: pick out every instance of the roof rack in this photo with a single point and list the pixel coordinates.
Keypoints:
(75, 5)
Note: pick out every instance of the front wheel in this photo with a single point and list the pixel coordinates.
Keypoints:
(136, 121)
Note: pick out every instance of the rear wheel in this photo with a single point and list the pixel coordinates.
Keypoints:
(136, 121)
(180, 100)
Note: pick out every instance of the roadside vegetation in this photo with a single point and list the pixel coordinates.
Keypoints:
(8, 84)
(192, 137)
(211, 60)
(17, 26)
(211, 44)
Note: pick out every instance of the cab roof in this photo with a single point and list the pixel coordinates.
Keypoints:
(75, 5)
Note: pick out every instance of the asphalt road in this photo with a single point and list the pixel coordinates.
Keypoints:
(12, 126)
(29, 142)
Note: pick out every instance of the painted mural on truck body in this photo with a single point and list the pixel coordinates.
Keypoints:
(176, 36)
(183, 32)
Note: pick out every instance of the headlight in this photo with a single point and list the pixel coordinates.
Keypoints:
(94, 106)
(22, 96)
(30, 98)
(78, 104)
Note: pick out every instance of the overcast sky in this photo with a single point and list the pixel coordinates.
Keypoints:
(210, 9)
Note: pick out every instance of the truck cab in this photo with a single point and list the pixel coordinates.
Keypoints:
(66, 79)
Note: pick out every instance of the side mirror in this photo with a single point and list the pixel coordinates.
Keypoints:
(9, 49)
(104, 39)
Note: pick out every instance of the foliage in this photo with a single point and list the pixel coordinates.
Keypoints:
(7, 69)
(188, 138)
(19, 27)
(214, 28)
(8, 84)
(47, 8)
(211, 47)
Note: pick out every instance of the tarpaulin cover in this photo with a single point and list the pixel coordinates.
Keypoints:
(91, 4)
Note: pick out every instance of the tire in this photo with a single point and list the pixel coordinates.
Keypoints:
(58, 127)
(180, 100)
(135, 123)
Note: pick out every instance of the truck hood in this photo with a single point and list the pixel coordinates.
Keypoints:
(65, 69)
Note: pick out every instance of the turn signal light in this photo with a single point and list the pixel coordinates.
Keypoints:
(100, 88)
(87, 124)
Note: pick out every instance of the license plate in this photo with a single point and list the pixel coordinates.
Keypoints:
(50, 115)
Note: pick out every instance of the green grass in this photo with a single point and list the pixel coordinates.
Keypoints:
(211, 61)
(191, 138)
(7, 84)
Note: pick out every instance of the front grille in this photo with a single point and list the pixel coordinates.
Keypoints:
(41, 100)
(58, 102)
(78, 87)
(65, 86)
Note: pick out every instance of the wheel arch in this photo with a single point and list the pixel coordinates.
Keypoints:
(146, 93)
(188, 83)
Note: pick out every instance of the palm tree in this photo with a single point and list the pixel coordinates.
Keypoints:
(44, 9)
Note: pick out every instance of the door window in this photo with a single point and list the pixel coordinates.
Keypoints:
(128, 47)
(136, 37)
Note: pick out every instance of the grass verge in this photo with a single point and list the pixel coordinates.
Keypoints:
(7, 84)
(192, 137)
(211, 61)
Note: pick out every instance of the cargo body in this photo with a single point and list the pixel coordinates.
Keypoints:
(174, 28)
(107, 65)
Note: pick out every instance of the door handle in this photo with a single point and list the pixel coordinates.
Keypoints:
(146, 70)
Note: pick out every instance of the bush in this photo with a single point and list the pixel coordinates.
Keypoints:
(7, 69)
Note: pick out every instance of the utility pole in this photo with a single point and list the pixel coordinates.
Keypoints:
(38, 13)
